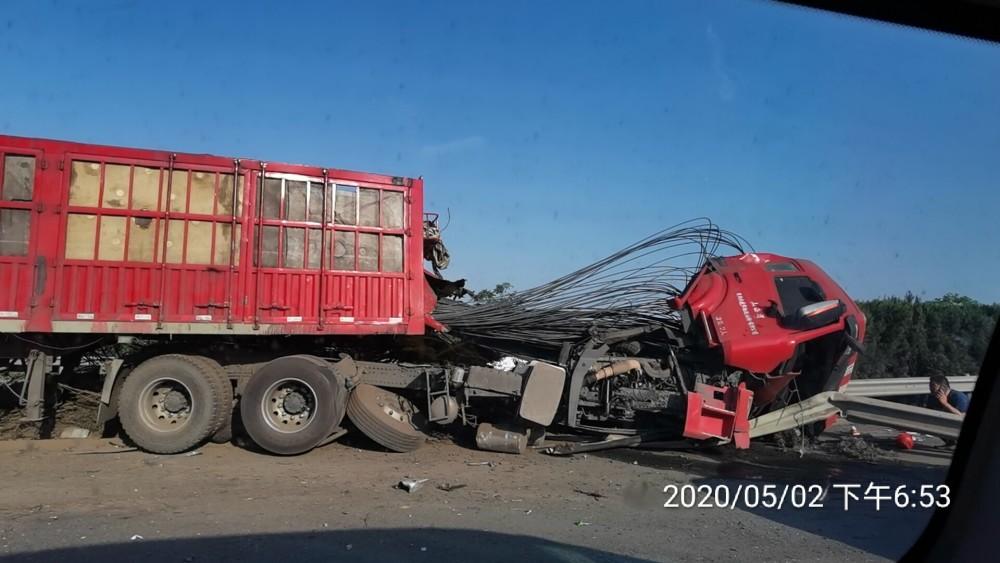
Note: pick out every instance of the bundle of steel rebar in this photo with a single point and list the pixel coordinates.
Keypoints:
(629, 288)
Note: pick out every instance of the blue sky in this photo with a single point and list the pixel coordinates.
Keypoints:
(555, 133)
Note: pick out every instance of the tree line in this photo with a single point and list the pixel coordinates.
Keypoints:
(910, 337)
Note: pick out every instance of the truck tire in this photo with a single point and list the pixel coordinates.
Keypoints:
(386, 418)
(172, 403)
(224, 433)
(291, 404)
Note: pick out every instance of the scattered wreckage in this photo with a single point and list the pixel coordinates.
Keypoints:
(278, 299)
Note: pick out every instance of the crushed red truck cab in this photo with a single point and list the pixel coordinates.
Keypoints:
(759, 308)
(781, 320)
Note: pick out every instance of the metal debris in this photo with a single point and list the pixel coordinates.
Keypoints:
(448, 487)
(411, 485)
(649, 439)
(90, 452)
(589, 494)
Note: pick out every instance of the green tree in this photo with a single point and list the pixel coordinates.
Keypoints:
(502, 290)
(908, 337)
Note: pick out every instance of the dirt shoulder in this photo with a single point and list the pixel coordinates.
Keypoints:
(227, 503)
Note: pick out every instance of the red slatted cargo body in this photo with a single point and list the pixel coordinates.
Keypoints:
(107, 240)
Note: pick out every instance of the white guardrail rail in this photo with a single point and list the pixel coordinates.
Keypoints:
(901, 386)
(858, 405)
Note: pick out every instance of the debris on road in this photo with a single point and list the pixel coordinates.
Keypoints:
(75, 432)
(859, 448)
(477, 463)
(448, 487)
(137, 537)
(491, 438)
(582, 523)
(192, 454)
(117, 451)
(590, 494)
(652, 440)
(904, 440)
(411, 485)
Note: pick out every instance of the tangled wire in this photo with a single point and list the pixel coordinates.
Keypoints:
(628, 289)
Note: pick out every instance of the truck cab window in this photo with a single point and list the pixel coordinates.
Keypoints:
(795, 292)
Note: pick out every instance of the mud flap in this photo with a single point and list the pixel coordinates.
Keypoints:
(720, 413)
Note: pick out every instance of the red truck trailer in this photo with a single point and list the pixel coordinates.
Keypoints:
(283, 297)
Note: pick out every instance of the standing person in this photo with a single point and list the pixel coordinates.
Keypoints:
(944, 398)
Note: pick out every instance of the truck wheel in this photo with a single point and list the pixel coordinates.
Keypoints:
(171, 403)
(224, 433)
(386, 418)
(292, 404)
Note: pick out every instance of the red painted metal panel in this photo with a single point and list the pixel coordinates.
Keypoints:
(141, 239)
(719, 413)
(13, 274)
(20, 167)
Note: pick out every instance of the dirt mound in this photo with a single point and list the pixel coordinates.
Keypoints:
(858, 448)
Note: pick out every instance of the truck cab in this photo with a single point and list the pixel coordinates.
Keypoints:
(778, 320)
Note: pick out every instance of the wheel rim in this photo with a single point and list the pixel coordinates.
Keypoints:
(166, 405)
(289, 405)
(391, 408)
(385, 417)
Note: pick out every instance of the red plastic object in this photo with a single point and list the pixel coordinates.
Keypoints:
(719, 413)
(121, 240)
(905, 441)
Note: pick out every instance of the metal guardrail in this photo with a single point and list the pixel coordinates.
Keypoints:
(901, 386)
(859, 409)
(895, 415)
(813, 409)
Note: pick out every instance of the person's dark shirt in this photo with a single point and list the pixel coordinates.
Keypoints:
(956, 399)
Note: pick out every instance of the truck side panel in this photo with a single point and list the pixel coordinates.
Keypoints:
(104, 239)
(19, 168)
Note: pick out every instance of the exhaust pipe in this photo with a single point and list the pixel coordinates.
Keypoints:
(614, 369)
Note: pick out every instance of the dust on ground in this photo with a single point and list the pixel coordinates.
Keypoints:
(82, 496)
(858, 448)
(76, 409)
